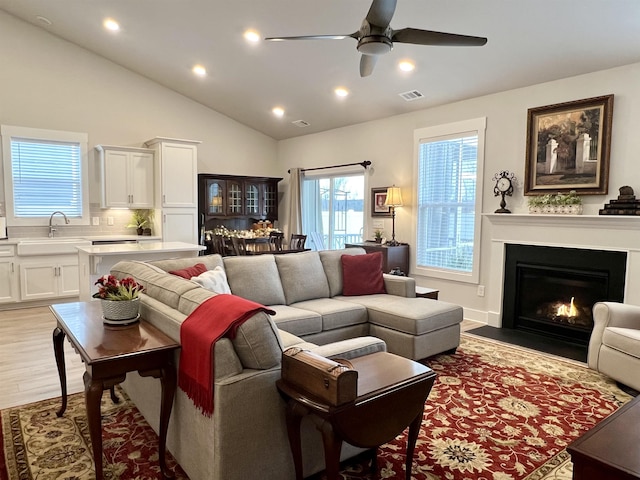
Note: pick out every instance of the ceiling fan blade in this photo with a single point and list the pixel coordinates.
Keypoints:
(313, 37)
(428, 37)
(381, 12)
(367, 62)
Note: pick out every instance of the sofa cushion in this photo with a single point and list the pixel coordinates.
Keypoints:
(415, 316)
(209, 261)
(625, 340)
(188, 272)
(332, 263)
(302, 276)
(257, 343)
(351, 348)
(255, 278)
(296, 320)
(335, 313)
(214, 280)
(362, 274)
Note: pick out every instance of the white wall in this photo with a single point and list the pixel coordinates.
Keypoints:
(49, 83)
(388, 143)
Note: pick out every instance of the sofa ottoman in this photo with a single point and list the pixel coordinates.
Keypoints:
(414, 328)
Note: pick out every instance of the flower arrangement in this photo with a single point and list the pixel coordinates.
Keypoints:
(110, 288)
(556, 203)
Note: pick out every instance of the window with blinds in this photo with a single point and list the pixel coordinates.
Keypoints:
(448, 166)
(45, 172)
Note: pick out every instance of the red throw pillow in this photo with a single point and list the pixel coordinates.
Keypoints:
(189, 272)
(362, 274)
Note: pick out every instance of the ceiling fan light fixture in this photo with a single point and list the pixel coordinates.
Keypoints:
(252, 36)
(341, 92)
(278, 111)
(406, 65)
(111, 25)
(375, 45)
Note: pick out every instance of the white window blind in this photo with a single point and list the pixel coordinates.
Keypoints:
(47, 176)
(448, 168)
(44, 171)
(447, 179)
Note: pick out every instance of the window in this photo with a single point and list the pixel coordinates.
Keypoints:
(333, 209)
(44, 171)
(449, 160)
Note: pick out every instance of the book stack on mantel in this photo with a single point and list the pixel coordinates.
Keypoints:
(625, 204)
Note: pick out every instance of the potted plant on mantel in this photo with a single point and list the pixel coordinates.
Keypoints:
(558, 203)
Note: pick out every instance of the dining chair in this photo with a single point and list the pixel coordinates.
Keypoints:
(276, 239)
(297, 241)
(239, 246)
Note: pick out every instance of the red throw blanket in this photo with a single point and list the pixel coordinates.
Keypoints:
(213, 319)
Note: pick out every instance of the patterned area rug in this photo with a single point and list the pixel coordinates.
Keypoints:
(495, 413)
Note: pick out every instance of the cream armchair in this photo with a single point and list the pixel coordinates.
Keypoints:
(614, 348)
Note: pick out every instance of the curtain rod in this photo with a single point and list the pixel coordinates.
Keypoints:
(364, 165)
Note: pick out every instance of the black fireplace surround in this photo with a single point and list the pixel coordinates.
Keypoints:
(551, 290)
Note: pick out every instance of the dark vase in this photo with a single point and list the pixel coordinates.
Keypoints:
(140, 230)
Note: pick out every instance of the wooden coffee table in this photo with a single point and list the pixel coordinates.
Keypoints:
(611, 449)
(108, 354)
(391, 395)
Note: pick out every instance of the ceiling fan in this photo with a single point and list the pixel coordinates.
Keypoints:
(376, 37)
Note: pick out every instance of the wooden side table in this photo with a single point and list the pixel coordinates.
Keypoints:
(392, 257)
(611, 449)
(108, 354)
(391, 395)
(425, 292)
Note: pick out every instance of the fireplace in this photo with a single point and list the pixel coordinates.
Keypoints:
(551, 290)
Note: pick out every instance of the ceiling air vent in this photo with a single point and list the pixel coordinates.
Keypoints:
(301, 123)
(411, 95)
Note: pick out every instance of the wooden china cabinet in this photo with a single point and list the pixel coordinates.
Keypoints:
(236, 201)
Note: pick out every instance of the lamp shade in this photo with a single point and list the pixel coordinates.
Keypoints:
(394, 197)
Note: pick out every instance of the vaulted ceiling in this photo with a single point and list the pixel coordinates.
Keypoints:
(529, 42)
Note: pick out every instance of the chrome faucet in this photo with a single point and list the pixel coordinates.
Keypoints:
(52, 230)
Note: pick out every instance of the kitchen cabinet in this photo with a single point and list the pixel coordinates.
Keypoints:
(177, 187)
(236, 196)
(48, 277)
(127, 176)
(8, 274)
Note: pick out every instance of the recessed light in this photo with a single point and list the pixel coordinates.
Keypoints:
(252, 36)
(199, 70)
(406, 65)
(278, 111)
(111, 25)
(341, 92)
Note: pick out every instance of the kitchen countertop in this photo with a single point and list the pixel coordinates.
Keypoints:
(133, 248)
(91, 238)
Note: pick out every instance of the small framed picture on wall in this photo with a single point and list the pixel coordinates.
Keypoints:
(378, 208)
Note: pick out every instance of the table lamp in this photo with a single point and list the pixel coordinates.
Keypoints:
(394, 199)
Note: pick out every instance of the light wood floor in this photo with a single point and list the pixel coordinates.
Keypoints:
(28, 371)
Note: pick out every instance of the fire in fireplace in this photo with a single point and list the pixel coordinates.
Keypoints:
(552, 290)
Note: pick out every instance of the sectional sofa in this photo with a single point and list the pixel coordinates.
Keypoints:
(246, 435)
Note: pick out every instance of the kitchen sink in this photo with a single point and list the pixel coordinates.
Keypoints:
(50, 246)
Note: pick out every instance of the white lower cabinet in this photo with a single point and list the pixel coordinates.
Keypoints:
(49, 277)
(8, 275)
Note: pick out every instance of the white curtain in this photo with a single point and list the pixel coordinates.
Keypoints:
(295, 202)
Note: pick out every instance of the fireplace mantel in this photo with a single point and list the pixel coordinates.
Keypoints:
(602, 232)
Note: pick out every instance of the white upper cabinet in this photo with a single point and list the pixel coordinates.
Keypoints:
(127, 176)
(178, 160)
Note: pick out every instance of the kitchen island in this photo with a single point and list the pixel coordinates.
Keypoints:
(97, 260)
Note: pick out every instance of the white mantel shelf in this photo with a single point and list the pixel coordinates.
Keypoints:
(569, 221)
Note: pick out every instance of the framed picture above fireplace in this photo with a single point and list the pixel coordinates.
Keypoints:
(568, 146)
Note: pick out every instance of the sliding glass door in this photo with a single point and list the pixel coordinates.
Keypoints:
(333, 210)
